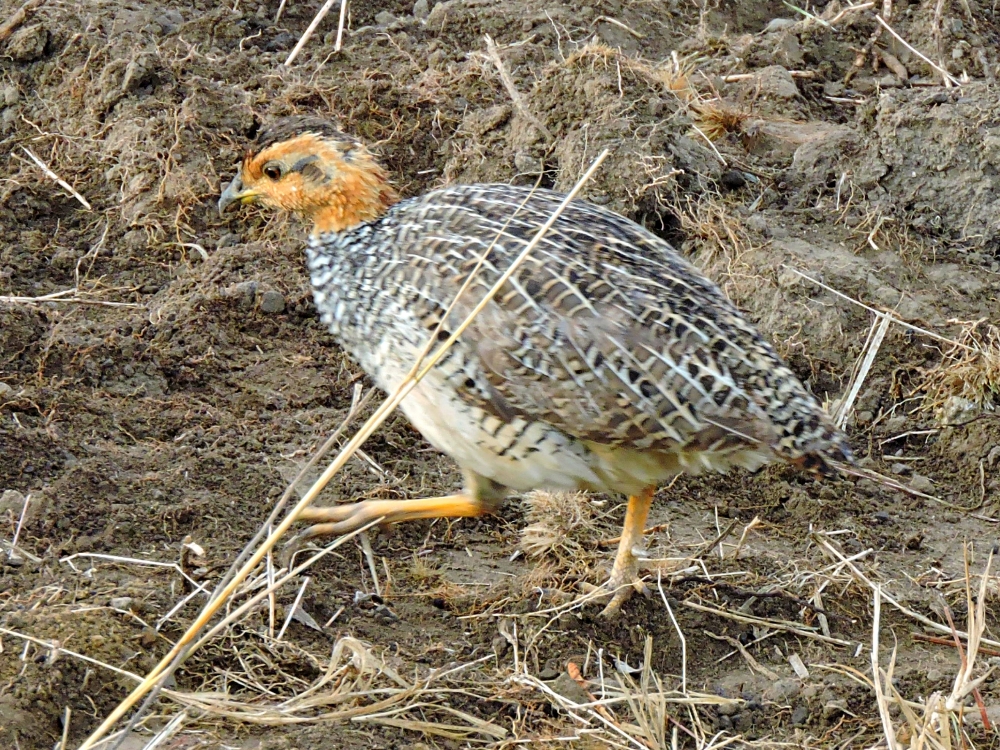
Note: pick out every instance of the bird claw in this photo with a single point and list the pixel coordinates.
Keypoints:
(618, 589)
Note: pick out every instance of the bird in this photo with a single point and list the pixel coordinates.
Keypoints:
(606, 363)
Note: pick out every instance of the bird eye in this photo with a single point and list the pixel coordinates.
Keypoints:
(272, 171)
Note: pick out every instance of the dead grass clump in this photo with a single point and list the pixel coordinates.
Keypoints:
(721, 244)
(967, 379)
(717, 119)
(560, 527)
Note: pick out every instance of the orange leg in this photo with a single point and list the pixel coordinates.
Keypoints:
(625, 571)
(341, 519)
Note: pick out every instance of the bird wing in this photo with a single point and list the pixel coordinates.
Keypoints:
(604, 332)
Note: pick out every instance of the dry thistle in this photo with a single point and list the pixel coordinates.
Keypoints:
(716, 119)
(558, 525)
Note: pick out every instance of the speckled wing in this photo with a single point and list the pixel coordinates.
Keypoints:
(604, 332)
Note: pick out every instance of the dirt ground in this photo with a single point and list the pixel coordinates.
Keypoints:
(163, 374)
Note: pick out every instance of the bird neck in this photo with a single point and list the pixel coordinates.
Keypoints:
(354, 197)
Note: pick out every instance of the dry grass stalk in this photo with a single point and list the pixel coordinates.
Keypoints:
(868, 353)
(949, 79)
(646, 718)
(417, 373)
(340, 26)
(937, 723)
(67, 296)
(357, 685)
(827, 545)
(762, 622)
(307, 34)
(893, 318)
(59, 180)
(803, 74)
(515, 96)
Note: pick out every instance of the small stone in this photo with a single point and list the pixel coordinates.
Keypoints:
(783, 690)
(421, 9)
(758, 224)
(921, 483)
(975, 718)
(733, 179)
(777, 24)
(169, 21)
(895, 424)
(994, 454)
(900, 468)
(9, 95)
(245, 293)
(527, 164)
(958, 409)
(728, 709)
(272, 302)
(881, 517)
(567, 687)
(120, 602)
(227, 240)
(384, 18)
(11, 501)
(568, 621)
(5, 389)
(800, 715)
(833, 88)
(776, 82)
(548, 674)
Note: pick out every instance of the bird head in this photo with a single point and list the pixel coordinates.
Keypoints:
(307, 166)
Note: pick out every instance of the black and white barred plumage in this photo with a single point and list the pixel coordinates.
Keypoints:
(607, 362)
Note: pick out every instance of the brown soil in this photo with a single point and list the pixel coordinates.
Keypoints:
(183, 410)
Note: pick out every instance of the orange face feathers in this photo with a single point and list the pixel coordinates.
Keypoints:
(306, 166)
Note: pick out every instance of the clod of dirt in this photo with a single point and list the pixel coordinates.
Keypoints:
(775, 82)
(272, 302)
(935, 162)
(28, 44)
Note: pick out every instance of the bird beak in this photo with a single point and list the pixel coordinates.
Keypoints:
(235, 192)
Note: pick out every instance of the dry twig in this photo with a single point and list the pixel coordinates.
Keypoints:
(515, 96)
(17, 18)
(53, 176)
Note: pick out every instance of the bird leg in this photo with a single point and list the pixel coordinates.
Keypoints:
(625, 571)
(481, 496)
(342, 519)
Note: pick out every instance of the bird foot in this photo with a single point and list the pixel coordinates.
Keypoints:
(618, 588)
